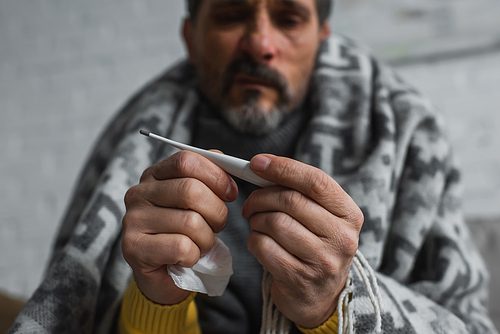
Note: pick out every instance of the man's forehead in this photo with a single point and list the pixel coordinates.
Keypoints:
(287, 3)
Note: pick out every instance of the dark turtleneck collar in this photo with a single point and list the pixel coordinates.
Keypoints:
(212, 131)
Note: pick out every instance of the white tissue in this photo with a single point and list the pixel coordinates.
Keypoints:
(209, 275)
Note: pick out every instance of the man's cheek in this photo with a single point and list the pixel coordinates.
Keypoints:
(210, 80)
(235, 97)
(299, 79)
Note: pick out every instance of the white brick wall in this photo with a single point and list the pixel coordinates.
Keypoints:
(67, 66)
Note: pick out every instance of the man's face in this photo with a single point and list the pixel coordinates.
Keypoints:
(254, 58)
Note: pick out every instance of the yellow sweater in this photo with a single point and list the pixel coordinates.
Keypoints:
(139, 315)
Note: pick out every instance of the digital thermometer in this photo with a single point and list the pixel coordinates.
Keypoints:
(232, 165)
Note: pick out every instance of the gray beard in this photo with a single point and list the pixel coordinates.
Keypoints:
(250, 118)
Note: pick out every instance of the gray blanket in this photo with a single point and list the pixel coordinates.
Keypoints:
(368, 129)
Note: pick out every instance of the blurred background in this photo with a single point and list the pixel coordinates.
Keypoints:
(67, 66)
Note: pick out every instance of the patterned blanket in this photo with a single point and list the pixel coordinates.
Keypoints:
(369, 130)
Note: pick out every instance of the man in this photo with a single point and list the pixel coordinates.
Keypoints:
(359, 161)
(253, 61)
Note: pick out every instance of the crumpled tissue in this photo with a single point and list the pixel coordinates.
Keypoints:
(209, 275)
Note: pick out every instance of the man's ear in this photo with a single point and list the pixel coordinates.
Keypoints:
(324, 32)
(188, 35)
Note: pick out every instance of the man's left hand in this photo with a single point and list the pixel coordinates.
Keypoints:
(305, 232)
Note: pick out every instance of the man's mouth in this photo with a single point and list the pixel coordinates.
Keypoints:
(252, 82)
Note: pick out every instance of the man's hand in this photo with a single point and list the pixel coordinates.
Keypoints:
(305, 233)
(172, 217)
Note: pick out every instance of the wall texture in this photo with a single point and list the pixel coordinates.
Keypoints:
(67, 66)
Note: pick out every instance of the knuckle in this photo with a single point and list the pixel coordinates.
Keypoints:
(255, 243)
(189, 164)
(132, 196)
(220, 218)
(292, 200)
(279, 221)
(346, 242)
(330, 267)
(325, 267)
(192, 222)
(207, 243)
(185, 251)
(320, 182)
(351, 244)
(353, 215)
(147, 174)
(127, 222)
(182, 246)
(185, 163)
(130, 220)
(357, 218)
(189, 191)
(286, 168)
(315, 273)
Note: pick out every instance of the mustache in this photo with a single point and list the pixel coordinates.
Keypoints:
(246, 65)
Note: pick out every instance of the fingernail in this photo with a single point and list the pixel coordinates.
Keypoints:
(259, 163)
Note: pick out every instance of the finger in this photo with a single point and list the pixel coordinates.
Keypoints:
(187, 194)
(171, 221)
(186, 164)
(151, 251)
(308, 180)
(273, 257)
(289, 233)
(312, 215)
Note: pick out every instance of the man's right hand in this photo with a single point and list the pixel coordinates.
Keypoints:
(172, 217)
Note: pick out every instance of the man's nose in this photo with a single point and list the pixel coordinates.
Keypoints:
(259, 40)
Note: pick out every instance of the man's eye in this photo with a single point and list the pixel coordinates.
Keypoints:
(229, 17)
(288, 21)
